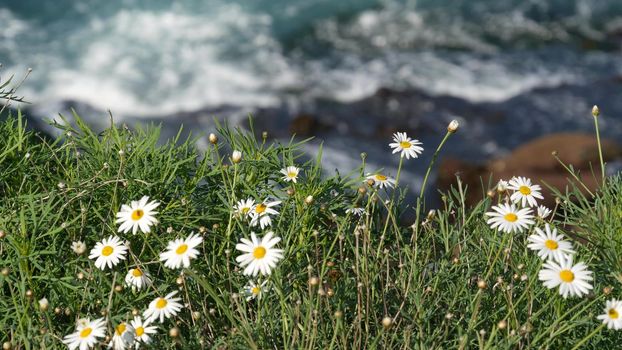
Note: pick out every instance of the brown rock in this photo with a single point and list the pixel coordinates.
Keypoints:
(534, 160)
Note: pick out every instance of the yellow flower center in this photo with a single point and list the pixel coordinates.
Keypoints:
(259, 252)
(181, 249)
(551, 244)
(381, 177)
(245, 210)
(107, 250)
(260, 208)
(140, 331)
(613, 314)
(511, 217)
(405, 144)
(524, 190)
(292, 174)
(161, 303)
(255, 290)
(85, 332)
(137, 273)
(566, 276)
(137, 214)
(121, 328)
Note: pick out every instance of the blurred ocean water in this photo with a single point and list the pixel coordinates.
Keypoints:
(156, 57)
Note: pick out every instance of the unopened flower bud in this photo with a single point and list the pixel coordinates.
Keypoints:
(174, 332)
(213, 139)
(43, 304)
(387, 322)
(595, 111)
(236, 156)
(502, 324)
(309, 200)
(453, 126)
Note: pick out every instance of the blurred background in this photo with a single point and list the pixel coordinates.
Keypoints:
(350, 72)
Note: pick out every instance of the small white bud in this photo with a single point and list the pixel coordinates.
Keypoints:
(43, 304)
(236, 156)
(213, 138)
(595, 111)
(453, 126)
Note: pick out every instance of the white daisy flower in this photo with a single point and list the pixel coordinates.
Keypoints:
(78, 247)
(123, 337)
(381, 181)
(525, 192)
(358, 211)
(143, 330)
(244, 207)
(502, 186)
(407, 146)
(613, 314)
(260, 214)
(137, 278)
(259, 256)
(180, 251)
(108, 252)
(290, 174)
(162, 308)
(139, 214)
(86, 334)
(549, 244)
(572, 280)
(254, 290)
(506, 218)
(543, 212)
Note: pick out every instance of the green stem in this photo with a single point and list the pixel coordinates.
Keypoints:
(425, 181)
(600, 151)
(578, 345)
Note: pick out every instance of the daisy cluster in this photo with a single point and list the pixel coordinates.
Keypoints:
(259, 255)
(558, 271)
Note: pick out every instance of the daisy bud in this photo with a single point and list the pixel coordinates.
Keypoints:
(363, 190)
(330, 292)
(523, 277)
(121, 152)
(2, 234)
(387, 322)
(431, 214)
(213, 139)
(202, 229)
(338, 314)
(6, 345)
(520, 266)
(174, 332)
(61, 185)
(215, 226)
(330, 264)
(607, 290)
(43, 304)
(196, 315)
(502, 324)
(314, 281)
(212, 311)
(290, 191)
(490, 193)
(27, 155)
(5, 271)
(236, 157)
(179, 281)
(453, 126)
(78, 247)
(29, 294)
(58, 310)
(135, 312)
(80, 275)
(264, 135)
(118, 288)
(482, 332)
(481, 284)
(169, 229)
(449, 315)
(309, 200)
(595, 111)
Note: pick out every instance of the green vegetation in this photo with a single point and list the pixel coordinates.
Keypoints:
(346, 281)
